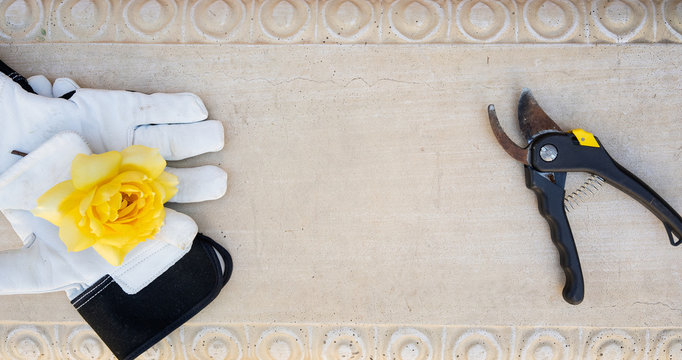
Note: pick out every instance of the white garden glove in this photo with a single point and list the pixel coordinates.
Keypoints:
(51, 115)
(114, 120)
(105, 294)
(109, 120)
(44, 264)
(175, 140)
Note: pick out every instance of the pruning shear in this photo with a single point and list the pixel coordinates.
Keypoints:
(549, 155)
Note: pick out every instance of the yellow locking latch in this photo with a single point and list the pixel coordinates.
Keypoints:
(585, 138)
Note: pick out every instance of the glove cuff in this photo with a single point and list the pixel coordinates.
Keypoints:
(131, 324)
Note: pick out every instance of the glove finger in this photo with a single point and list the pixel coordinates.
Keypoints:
(180, 141)
(41, 85)
(162, 108)
(199, 183)
(63, 86)
(178, 230)
(20, 221)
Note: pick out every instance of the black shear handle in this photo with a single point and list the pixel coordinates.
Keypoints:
(628, 183)
(550, 194)
(571, 156)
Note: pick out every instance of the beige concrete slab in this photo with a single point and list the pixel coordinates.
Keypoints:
(367, 190)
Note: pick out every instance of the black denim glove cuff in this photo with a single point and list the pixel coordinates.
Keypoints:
(131, 324)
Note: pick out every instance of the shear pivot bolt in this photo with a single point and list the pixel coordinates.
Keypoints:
(548, 153)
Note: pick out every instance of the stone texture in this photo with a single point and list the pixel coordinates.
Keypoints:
(342, 21)
(372, 215)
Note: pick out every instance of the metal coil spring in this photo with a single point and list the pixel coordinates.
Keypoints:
(585, 192)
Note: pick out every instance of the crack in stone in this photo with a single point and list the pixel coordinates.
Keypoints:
(657, 303)
(338, 83)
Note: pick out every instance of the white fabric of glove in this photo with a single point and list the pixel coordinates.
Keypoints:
(108, 120)
(44, 264)
(175, 135)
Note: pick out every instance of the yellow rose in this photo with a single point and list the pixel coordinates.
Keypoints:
(113, 201)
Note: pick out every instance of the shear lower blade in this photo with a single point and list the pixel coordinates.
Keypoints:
(515, 151)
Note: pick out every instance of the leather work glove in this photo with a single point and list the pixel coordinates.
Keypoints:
(109, 120)
(162, 282)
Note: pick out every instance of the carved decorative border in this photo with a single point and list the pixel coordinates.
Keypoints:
(341, 21)
(351, 342)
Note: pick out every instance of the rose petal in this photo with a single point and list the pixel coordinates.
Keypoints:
(90, 170)
(159, 192)
(95, 225)
(105, 192)
(130, 189)
(123, 213)
(141, 229)
(130, 177)
(60, 199)
(170, 183)
(113, 202)
(111, 254)
(126, 249)
(118, 236)
(86, 201)
(144, 159)
(72, 235)
(103, 211)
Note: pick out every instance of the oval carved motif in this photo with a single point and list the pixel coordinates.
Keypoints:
(620, 20)
(216, 343)
(83, 344)
(284, 19)
(149, 17)
(546, 344)
(409, 344)
(28, 342)
(612, 344)
(347, 19)
(279, 344)
(415, 20)
(20, 18)
(551, 20)
(477, 344)
(343, 344)
(163, 350)
(218, 19)
(482, 20)
(672, 16)
(83, 18)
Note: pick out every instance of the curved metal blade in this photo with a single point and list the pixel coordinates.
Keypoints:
(515, 151)
(532, 119)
